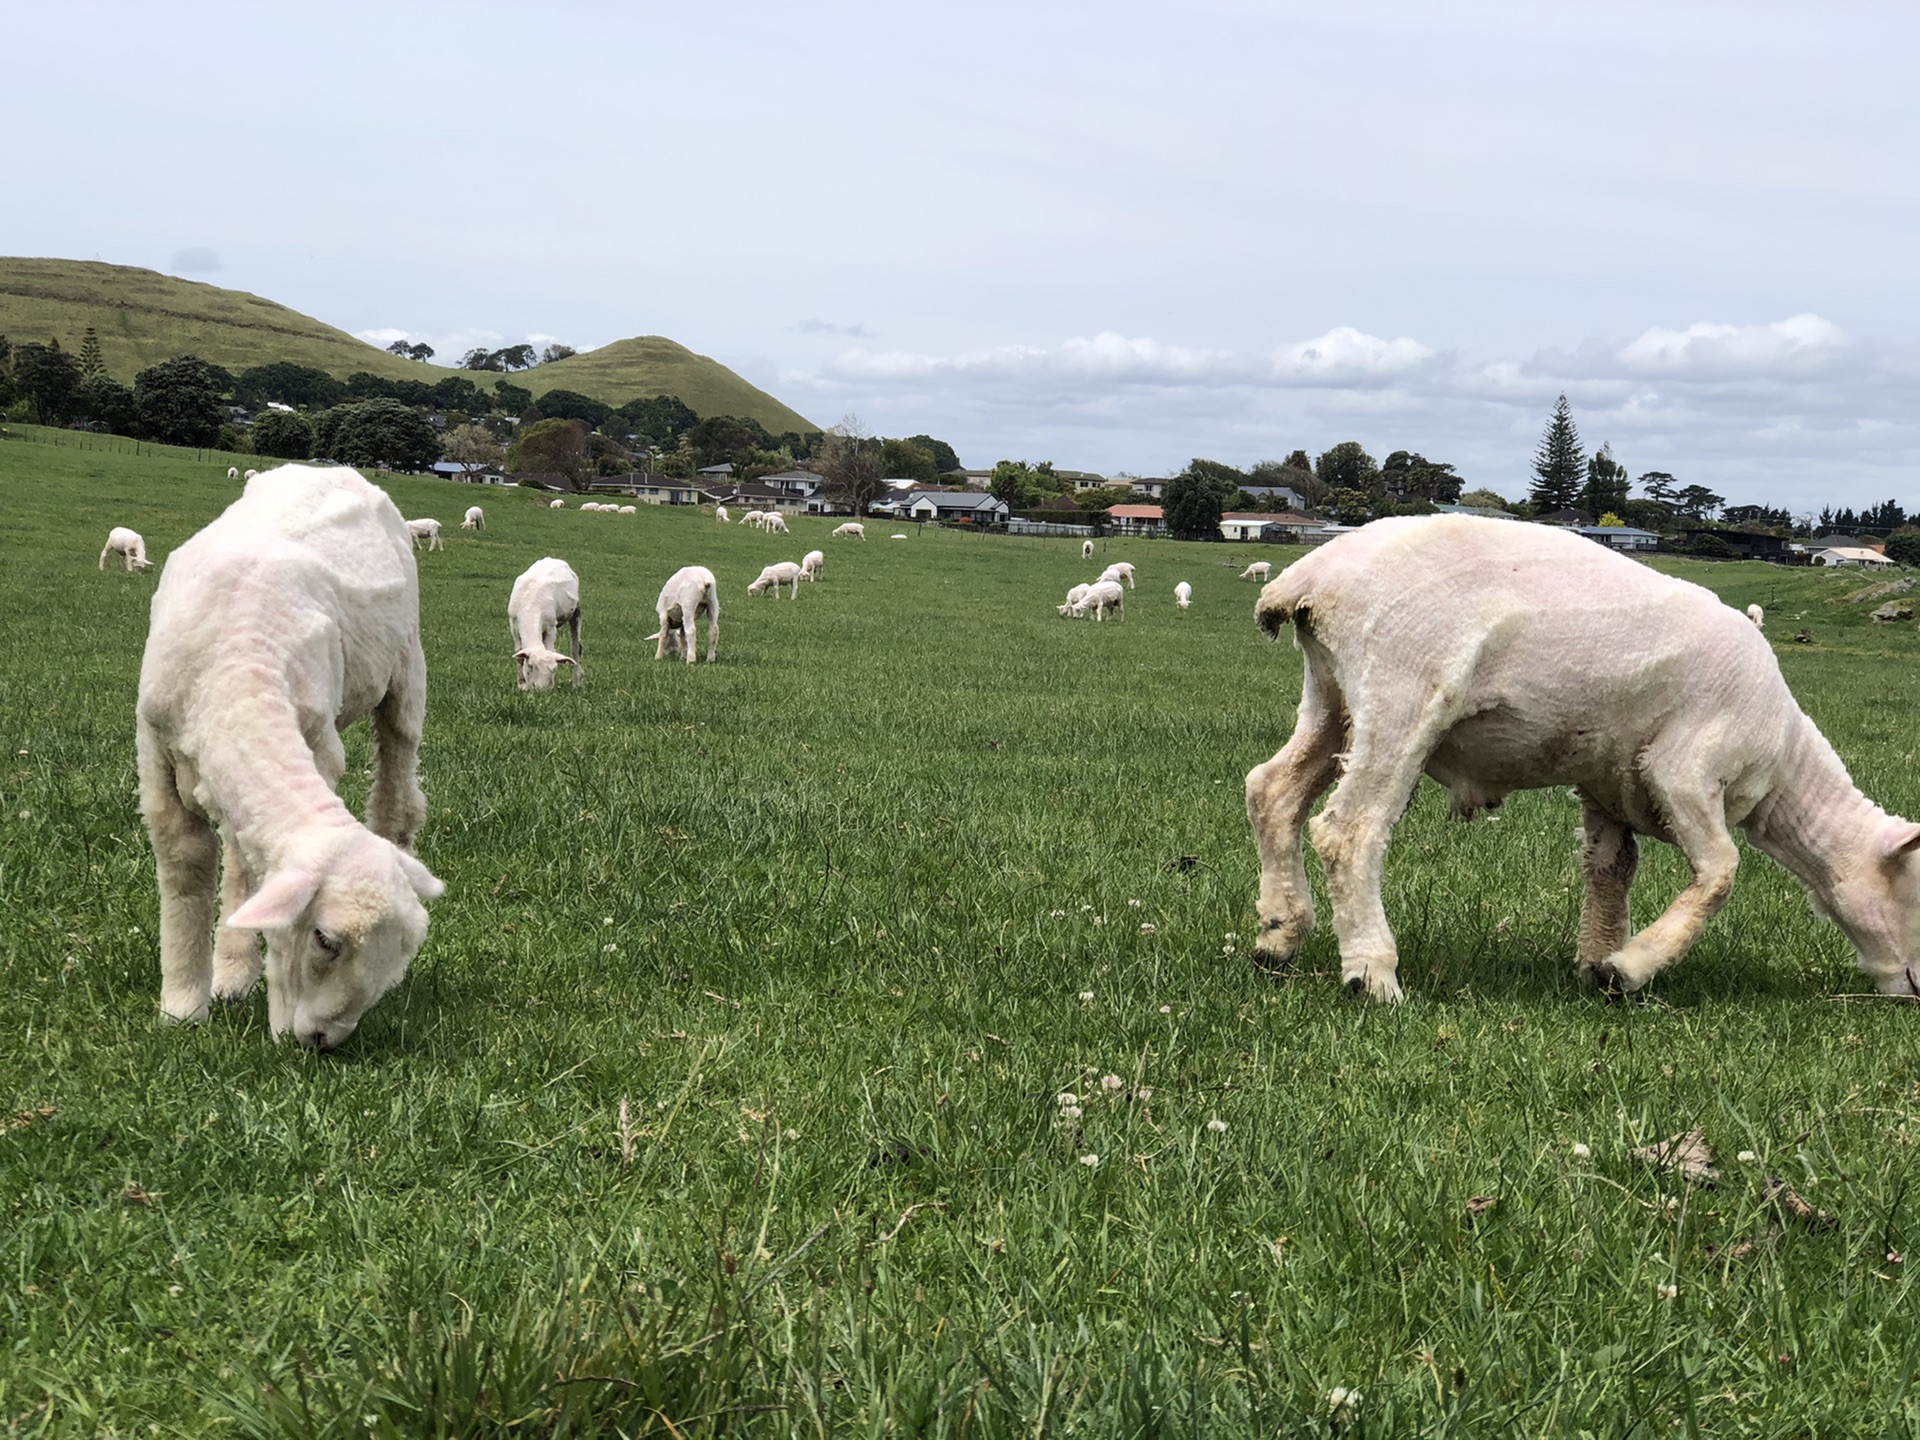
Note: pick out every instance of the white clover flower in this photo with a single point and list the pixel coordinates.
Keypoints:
(1227, 949)
(1067, 1097)
(1342, 1402)
(1058, 915)
(1099, 919)
(1143, 1093)
(1147, 929)
(1086, 909)
(175, 1290)
(610, 949)
(1071, 1112)
(1133, 904)
(1230, 935)
(1582, 1152)
(607, 921)
(1090, 1161)
(1111, 1083)
(1746, 1157)
(1086, 997)
(1216, 1125)
(1166, 1009)
(1668, 1292)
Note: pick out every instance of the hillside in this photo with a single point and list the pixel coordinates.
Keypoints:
(144, 317)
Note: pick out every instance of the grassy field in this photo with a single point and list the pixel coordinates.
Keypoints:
(144, 317)
(835, 921)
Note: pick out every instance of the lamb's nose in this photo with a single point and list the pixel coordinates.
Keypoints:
(317, 1039)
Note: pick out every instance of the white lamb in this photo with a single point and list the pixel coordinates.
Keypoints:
(129, 546)
(1183, 595)
(291, 616)
(774, 523)
(896, 536)
(546, 596)
(1758, 616)
(427, 530)
(1258, 570)
(810, 564)
(1102, 596)
(589, 505)
(251, 474)
(1119, 570)
(233, 472)
(1496, 657)
(476, 519)
(752, 517)
(629, 509)
(1086, 549)
(1074, 597)
(785, 573)
(689, 593)
(556, 504)
(852, 528)
(720, 513)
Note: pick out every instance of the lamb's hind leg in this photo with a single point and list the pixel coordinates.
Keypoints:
(184, 856)
(236, 953)
(579, 650)
(396, 805)
(1608, 859)
(1698, 820)
(1280, 793)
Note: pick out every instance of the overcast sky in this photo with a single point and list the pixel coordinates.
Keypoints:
(1111, 235)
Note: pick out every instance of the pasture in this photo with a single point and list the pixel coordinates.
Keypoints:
(834, 923)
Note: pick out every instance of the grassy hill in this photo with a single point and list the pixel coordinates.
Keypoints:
(144, 317)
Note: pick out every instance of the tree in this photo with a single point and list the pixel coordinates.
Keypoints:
(1347, 506)
(1559, 463)
(92, 362)
(555, 352)
(945, 461)
(904, 460)
(180, 400)
(1484, 500)
(421, 351)
(402, 348)
(48, 379)
(848, 459)
(660, 420)
(110, 405)
(1696, 502)
(727, 439)
(456, 392)
(1903, 546)
(551, 447)
(283, 435)
(1660, 487)
(572, 405)
(1013, 482)
(1347, 466)
(511, 398)
(380, 432)
(1607, 484)
(515, 357)
(1610, 521)
(480, 358)
(1195, 498)
(288, 383)
(1409, 476)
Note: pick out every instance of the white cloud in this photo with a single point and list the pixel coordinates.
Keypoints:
(1346, 356)
(1797, 345)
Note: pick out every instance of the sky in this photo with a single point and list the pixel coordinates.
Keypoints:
(1110, 235)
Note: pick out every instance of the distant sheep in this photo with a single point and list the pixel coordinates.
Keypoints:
(427, 530)
(1086, 549)
(1119, 570)
(238, 736)
(556, 504)
(629, 509)
(590, 505)
(774, 523)
(476, 519)
(774, 576)
(546, 596)
(128, 545)
(720, 513)
(1758, 616)
(1102, 596)
(252, 473)
(689, 593)
(1074, 597)
(1183, 595)
(852, 528)
(233, 472)
(1258, 570)
(896, 536)
(753, 518)
(810, 564)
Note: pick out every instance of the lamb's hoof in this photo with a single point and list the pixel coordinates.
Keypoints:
(1611, 984)
(1356, 984)
(192, 1017)
(1382, 989)
(233, 992)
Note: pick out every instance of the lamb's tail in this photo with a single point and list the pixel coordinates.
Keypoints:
(1282, 598)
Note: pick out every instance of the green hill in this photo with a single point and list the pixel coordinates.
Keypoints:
(143, 317)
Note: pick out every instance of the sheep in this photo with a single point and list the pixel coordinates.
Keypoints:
(1183, 595)
(545, 596)
(1497, 658)
(689, 592)
(720, 513)
(785, 573)
(752, 517)
(774, 523)
(896, 536)
(129, 546)
(589, 505)
(1258, 570)
(556, 504)
(1758, 616)
(1074, 597)
(476, 519)
(852, 528)
(251, 473)
(1102, 596)
(810, 564)
(629, 509)
(427, 530)
(233, 472)
(1119, 570)
(292, 615)
(1086, 549)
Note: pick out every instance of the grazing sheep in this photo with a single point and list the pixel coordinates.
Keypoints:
(1086, 549)
(556, 504)
(689, 593)
(252, 473)
(1183, 595)
(774, 523)
(1258, 570)
(476, 519)
(589, 505)
(1074, 597)
(129, 546)
(753, 518)
(896, 536)
(629, 509)
(427, 530)
(546, 595)
(1102, 596)
(233, 472)
(1119, 570)
(720, 513)
(785, 573)
(1497, 661)
(1758, 616)
(291, 616)
(853, 528)
(810, 564)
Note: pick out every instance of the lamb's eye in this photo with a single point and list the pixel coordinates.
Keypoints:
(328, 944)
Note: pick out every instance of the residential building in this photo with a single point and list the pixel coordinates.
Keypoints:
(1248, 526)
(649, 489)
(1619, 537)
(1838, 555)
(1138, 519)
(1284, 494)
(957, 507)
(1750, 546)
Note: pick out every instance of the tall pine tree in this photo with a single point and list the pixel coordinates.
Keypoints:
(1559, 465)
(91, 361)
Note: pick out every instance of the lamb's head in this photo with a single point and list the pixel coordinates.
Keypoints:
(537, 666)
(342, 926)
(760, 585)
(1876, 900)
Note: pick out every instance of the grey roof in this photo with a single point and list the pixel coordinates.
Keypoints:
(1595, 531)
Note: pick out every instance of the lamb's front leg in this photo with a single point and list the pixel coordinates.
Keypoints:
(236, 953)
(184, 855)
(1608, 860)
(1699, 825)
(579, 651)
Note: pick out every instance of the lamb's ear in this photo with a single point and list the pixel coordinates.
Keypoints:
(565, 660)
(1899, 839)
(523, 654)
(426, 884)
(278, 903)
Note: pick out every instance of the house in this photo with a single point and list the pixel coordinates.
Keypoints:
(1837, 555)
(1564, 519)
(1082, 479)
(649, 489)
(1282, 494)
(759, 495)
(1152, 489)
(1619, 537)
(1245, 526)
(1749, 545)
(957, 507)
(1138, 519)
(453, 470)
(717, 472)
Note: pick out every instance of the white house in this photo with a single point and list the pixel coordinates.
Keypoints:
(1620, 537)
(1853, 555)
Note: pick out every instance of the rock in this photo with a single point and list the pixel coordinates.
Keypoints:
(1803, 637)
(1875, 592)
(1894, 610)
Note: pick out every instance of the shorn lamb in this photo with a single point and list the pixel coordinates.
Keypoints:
(1496, 657)
(1183, 595)
(475, 519)
(689, 593)
(1086, 549)
(291, 616)
(774, 523)
(1119, 570)
(811, 563)
(1258, 570)
(1102, 596)
(427, 530)
(545, 597)
(720, 513)
(1758, 616)
(852, 528)
(556, 504)
(1074, 597)
(128, 545)
(774, 576)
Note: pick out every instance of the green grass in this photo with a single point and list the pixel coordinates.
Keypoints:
(144, 317)
(820, 914)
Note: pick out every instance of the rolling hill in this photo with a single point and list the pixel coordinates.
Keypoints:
(143, 317)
